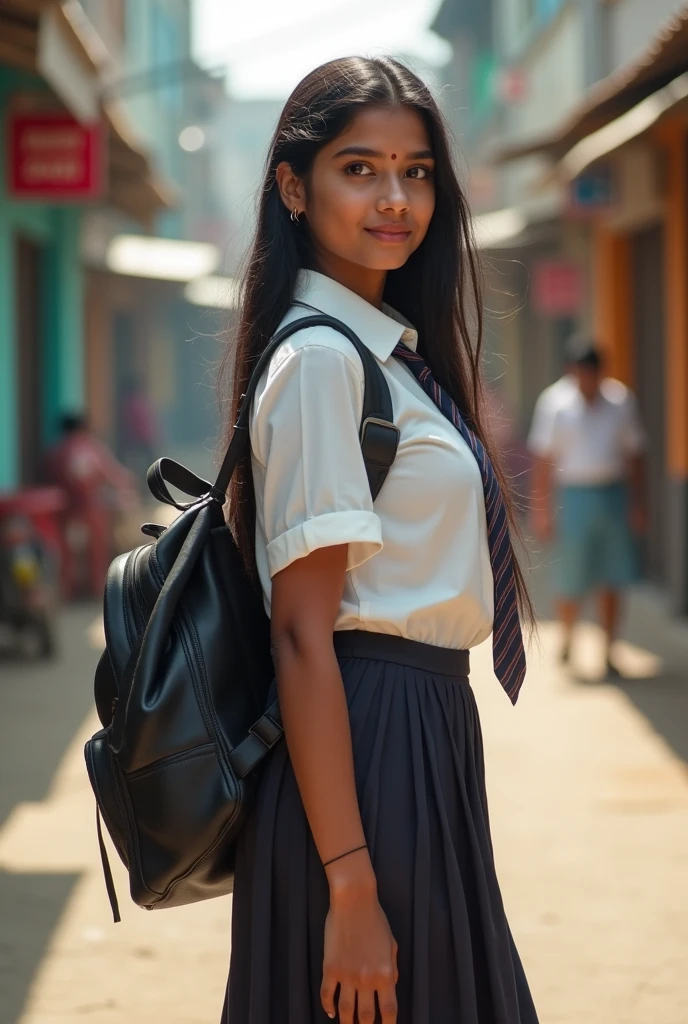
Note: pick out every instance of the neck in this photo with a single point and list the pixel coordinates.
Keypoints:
(368, 284)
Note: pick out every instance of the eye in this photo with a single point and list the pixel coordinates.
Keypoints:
(419, 173)
(359, 170)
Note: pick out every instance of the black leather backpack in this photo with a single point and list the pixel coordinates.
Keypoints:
(181, 687)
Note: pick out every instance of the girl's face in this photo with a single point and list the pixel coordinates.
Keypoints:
(370, 195)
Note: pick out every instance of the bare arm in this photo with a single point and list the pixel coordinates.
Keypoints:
(360, 953)
(636, 478)
(305, 601)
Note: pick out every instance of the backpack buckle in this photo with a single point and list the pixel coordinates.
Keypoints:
(379, 441)
(267, 730)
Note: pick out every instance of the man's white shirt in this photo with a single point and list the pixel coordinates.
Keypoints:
(589, 444)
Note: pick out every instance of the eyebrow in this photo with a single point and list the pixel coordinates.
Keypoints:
(420, 154)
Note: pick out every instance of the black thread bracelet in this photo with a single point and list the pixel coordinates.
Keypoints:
(339, 857)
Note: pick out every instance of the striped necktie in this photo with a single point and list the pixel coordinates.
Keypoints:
(507, 640)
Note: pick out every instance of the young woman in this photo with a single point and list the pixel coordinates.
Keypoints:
(365, 883)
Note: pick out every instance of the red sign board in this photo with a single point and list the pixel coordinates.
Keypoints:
(557, 288)
(52, 156)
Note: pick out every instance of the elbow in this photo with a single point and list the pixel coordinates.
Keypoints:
(283, 645)
(300, 651)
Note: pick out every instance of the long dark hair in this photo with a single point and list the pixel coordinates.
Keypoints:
(438, 289)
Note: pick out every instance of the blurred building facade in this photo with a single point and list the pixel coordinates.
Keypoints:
(243, 140)
(573, 115)
(55, 135)
(141, 330)
(118, 77)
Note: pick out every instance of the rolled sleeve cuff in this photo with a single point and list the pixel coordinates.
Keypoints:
(362, 531)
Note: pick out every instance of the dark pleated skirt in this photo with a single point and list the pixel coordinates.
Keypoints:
(420, 779)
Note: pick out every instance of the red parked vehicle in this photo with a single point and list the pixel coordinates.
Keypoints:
(30, 569)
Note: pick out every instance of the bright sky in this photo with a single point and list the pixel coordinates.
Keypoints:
(269, 45)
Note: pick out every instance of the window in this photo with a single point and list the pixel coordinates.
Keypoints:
(532, 15)
(526, 11)
(118, 18)
(167, 51)
(548, 8)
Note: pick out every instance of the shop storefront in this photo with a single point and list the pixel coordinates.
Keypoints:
(632, 132)
(61, 153)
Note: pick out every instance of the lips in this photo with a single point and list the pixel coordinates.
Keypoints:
(393, 233)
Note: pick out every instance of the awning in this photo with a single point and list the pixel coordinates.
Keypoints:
(134, 187)
(55, 40)
(664, 60)
(513, 226)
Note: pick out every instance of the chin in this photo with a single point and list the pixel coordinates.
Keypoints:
(384, 260)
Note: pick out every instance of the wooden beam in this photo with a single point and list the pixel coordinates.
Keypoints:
(27, 8)
(17, 58)
(18, 34)
(676, 302)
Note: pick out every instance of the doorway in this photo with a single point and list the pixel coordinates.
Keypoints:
(28, 260)
(649, 345)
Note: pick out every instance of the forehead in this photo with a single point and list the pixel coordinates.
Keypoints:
(380, 128)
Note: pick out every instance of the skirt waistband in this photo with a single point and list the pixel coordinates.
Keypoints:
(362, 643)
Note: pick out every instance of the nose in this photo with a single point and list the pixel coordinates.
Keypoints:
(394, 197)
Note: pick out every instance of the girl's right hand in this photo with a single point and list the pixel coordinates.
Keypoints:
(360, 954)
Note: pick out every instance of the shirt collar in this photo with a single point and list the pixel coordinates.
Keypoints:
(379, 330)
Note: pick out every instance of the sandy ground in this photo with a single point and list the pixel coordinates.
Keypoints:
(589, 810)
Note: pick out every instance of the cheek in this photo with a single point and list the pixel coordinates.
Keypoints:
(425, 209)
(336, 215)
(338, 206)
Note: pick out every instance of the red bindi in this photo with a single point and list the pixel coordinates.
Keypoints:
(394, 156)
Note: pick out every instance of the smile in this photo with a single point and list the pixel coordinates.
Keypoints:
(389, 234)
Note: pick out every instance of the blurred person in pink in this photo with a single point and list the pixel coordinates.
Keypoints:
(85, 468)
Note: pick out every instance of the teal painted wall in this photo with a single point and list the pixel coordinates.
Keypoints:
(8, 405)
(56, 230)
(63, 378)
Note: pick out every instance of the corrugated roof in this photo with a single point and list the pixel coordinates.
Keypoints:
(664, 59)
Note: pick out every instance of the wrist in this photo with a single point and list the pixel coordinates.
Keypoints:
(351, 877)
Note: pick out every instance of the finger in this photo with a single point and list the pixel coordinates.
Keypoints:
(346, 1004)
(387, 1001)
(366, 1006)
(327, 991)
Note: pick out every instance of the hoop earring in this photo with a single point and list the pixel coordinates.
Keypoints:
(295, 215)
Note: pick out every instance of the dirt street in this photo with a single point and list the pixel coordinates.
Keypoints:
(589, 808)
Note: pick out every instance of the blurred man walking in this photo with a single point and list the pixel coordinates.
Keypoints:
(589, 443)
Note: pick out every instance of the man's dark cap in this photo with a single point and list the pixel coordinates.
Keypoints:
(583, 351)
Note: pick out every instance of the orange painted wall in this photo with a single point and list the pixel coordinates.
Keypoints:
(612, 289)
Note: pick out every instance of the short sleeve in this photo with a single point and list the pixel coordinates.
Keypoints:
(541, 439)
(633, 435)
(305, 433)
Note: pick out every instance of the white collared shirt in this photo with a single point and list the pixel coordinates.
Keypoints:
(418, 560)
(589, 444)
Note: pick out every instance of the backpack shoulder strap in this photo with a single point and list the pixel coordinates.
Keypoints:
(379, 434)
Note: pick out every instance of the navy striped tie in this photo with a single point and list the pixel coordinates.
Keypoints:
(507, 640)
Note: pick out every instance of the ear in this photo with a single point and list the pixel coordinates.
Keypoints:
(292, 189)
